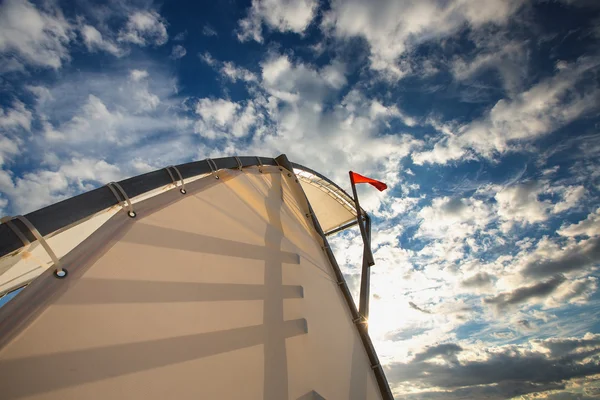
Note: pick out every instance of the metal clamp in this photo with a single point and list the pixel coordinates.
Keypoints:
(239, 162)
(213, 167)
(182, 189)
(59, 272)
(124, 201)
(279, 165)
(260, 164)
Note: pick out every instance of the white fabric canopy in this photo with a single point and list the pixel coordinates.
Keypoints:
(332, 207)
(224, 293)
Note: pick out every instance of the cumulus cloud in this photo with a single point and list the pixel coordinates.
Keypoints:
(391, 37)
(144, 28)
(178, 52)
(577, 291)
(16, 116)
(208, 30)
(522, 202)
(508, 370)
(180, 36)
(587, 227)
(278, 15)
(235, 73)
(493, 50)
(526, 293)
(39, 37)
(39, 188)
(222, 118)
(456, 217)
(447, 351)
(480, 279)
(228, 69)
(543, 108)
(574, 257)
(94, 41)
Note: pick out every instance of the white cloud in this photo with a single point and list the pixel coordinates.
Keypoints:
(180, 36)
(453, 217)
(571, 196)
(144, 28)
(39, 188)
(39, 37)
(17, 116)
(577, 291)
(521, 203)
(178, 52)
(393, 28)
(208, 30)
(587, 227)
(207, 58)
(8, 147)
(221, 111)
(508, 57)
(290, 82)
(222, 118)
(280, 15)
(138, 74)
(93, 113)
(235, 73)
(543, 108)
(94, 41)
(228, 69)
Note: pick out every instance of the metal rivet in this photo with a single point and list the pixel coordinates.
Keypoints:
(60, 274)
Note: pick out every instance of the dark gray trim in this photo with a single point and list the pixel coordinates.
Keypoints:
(382, 382)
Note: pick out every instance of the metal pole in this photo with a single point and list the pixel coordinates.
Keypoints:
(360, 222)
(365, 281)
(364, 222)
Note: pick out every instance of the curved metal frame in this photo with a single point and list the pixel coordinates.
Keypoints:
(70, 211)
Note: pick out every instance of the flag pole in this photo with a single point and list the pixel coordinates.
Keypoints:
(364, 223)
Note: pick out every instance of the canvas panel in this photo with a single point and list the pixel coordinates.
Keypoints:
(222, 293)
(328, 206)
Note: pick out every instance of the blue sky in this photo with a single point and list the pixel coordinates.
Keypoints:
(482, 117)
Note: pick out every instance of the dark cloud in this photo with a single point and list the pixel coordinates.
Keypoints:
(480, 279)
(560, 346)
(502, 391)
(525, 324)
(416, 307)
(525, 293)
(584, 255)
(507, 372)
(454, 206)
(448, 351)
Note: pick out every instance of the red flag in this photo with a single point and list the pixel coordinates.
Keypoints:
(358, 178)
